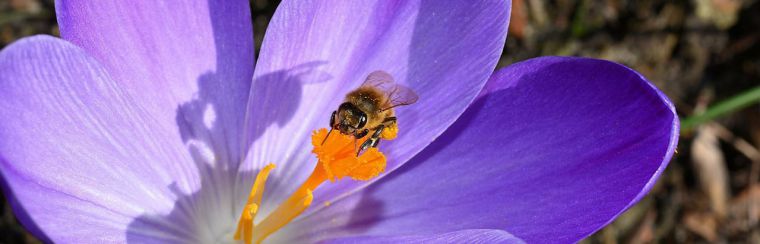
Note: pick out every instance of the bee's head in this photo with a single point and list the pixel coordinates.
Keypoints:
(348, 119)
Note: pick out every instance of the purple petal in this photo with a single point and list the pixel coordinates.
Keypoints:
(315, 52)
(463, 236)
(553, 150)
(188, 63)
(77, 152)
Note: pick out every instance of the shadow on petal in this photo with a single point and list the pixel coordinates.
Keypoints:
(217, 137)
(213, 209)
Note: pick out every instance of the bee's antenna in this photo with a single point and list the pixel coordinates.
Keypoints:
(328, 135)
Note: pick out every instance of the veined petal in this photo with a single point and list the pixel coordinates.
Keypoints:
(554, 149)
(315, 52)
(188, 63)
(80, 157)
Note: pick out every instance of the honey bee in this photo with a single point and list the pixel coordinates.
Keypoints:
(369, 108)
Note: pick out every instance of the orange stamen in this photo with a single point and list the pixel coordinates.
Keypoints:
(336, 159)
(245, 224)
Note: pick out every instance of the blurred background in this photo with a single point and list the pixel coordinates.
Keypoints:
(703, 54)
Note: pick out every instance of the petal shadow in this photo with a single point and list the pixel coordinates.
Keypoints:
(213, 128)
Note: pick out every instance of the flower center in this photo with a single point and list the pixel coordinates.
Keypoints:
(336, 159)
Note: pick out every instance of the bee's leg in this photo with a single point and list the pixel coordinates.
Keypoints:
(373, 140)
(361, 134)
(376, 135)
(364, 146)
(390, 120)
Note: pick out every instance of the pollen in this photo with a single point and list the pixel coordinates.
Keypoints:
(336, 159)
(390, 132)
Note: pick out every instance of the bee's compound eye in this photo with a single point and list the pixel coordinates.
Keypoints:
(332, 119)
(362, 120)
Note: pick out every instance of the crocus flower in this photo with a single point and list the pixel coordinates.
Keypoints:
(148, 123)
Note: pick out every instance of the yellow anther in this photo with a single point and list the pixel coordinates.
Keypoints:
(245, 224)
(252, 210)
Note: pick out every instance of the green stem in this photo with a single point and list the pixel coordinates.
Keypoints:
(725, 107)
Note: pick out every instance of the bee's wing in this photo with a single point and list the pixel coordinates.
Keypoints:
(398, 95)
